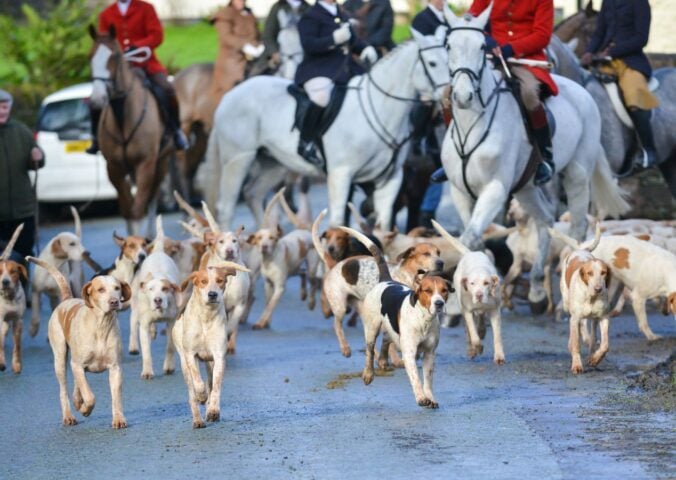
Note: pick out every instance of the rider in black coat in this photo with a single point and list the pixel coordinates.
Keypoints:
(376, 19)
(622, 30)
(328, 43)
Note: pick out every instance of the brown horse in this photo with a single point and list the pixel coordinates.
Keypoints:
(200, 87)
(131, 129)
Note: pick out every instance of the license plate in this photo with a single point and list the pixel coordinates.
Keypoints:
(77, 146)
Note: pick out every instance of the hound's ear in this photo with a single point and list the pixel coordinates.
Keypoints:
(239, 230)
(111, 31)
(609, 278)
(495, 283)
(186, 282)
(449, 284)
(22, 271)
(148, 241)
(463, 282)
(92, 32)
(119, 240)
(413, 296)
(251, 239)
(323, 235)
(86, 294)
(174, 287)
(126, 291)
(57, 249)
(583, 275)
(405, 254)
(672, 302)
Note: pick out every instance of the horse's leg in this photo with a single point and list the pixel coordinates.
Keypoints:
(232, 176)
(488, 205)
(117, 175)
(463, 204)
(538, 205)
(384, 196)
(158, 179)
(338, 183)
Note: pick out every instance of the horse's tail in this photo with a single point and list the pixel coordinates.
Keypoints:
(213, 170)
(383, 269)
(455, 243)
(607, 196)
(328, 259)
(64, 286)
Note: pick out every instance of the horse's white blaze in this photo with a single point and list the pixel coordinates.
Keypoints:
(99, 65)
(290, 49)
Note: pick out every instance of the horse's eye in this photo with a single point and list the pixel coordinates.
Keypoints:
(433, 64)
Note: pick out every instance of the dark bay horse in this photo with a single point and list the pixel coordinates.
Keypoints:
(131, 128)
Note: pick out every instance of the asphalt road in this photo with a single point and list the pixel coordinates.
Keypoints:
(288, 410)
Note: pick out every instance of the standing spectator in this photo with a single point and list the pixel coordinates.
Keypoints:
(375, 22)
(18, 155)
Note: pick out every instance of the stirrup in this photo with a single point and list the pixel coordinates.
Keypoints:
(543, 173)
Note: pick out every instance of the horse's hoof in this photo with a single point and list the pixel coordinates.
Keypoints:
(538, 308)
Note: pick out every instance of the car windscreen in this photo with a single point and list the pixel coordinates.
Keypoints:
(68, 118)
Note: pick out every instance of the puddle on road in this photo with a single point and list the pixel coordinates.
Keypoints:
(340, 380)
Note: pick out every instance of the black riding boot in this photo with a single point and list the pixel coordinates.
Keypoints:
(543, 139)
(94, 117)
(309, 131)
(644, 130)
(180, 139)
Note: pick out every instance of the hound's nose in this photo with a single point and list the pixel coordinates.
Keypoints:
(439, 304)
(229, 252)
(5, 282)
(331, 249)
(158, 301)
(114, 303)
(439, 265)
(141, 256)
(480, 296)
(212, 295)
(598, 288)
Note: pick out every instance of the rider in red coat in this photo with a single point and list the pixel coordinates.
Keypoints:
(137, 25)
(523, 29)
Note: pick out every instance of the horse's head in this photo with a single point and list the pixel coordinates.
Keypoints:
(466, 55)
(104, 56)
(580, 26)
(290, 48)
(430, 74)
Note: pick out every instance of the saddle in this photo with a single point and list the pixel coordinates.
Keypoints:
(330, 113)
(611, 86)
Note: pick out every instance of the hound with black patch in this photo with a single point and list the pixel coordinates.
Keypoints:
(410, 318)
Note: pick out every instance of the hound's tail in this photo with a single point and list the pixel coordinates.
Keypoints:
(588, 245)
(323, 254)
(361, 221)
(10, 245)
(78, 222)
(61, 281)
(231, 265)
(455, 243)
(607, 196)
(189, 210)
(158, 244)
(270, 215)
(383, 269)
(211, 220)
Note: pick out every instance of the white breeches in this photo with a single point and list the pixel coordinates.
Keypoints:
(319, 90)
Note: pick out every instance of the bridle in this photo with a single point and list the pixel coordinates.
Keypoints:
(460, 141)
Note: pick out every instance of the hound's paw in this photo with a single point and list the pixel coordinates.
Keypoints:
(260, 325)
(77, 400)
(119, 422)
(199, 423)
(432, 404)
(311, 304)
(367, 376)
(86, 409)
(33, 329)
(169, 371)
(230, 351)
(347, 351)
(3, 367)
(475, 350)
(499, 360)
(424, 402)
(147, 375)
(654, 338)
(614, 313)
(16, 367)
(69, 421)
(213, 415)
(133, 351)
(576, 368)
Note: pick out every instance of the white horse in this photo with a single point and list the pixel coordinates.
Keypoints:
(361, 144)
(290, 48)
(488, 130)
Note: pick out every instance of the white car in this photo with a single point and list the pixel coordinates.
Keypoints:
(70, 174)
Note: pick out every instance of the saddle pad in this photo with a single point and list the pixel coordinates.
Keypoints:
(618, 105)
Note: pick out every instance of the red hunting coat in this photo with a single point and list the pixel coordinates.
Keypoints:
(527, 25)
(140, 27)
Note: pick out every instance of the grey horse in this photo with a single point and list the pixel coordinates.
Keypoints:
(619, 141)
